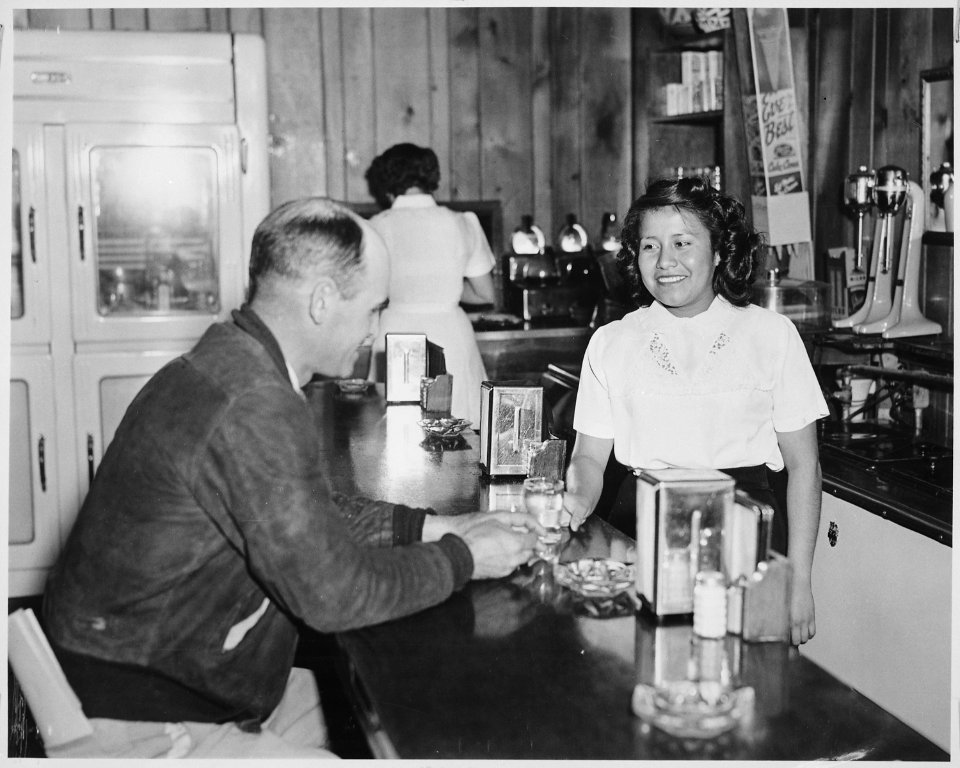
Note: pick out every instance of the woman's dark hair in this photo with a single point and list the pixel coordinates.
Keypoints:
(738, 245)
(401, 167)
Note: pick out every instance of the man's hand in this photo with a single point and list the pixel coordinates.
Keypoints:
(499, 547)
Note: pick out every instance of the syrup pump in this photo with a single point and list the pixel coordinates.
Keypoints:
(889, 194)
(858, 193)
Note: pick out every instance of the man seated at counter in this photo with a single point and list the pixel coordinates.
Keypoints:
(699, 377)
(210, 530)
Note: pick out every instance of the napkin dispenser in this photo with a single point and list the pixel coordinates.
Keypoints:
(511, 415)
(681, 516)
(409, 356)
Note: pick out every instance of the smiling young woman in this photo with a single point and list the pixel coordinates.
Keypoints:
(699, 377)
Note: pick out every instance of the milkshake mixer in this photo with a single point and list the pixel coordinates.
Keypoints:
(889, 195)
(905, 319)
(858, 192)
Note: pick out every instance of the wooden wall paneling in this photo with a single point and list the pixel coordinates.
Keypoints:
(464, 57)
(58, 18)
(880, 87)
(910, 53)
(830, 124)
(566, 53)
(505, 109)
(101, 18)
(133, 19)
(359, 100)
(218, 19)
(177, 19)
(605, 154)
(941, 45)
(247, 20)
(400, 70)
(333, 110)
(439, 91)
(736, 176)
(295, 99)
(541, 121)
(645, 35)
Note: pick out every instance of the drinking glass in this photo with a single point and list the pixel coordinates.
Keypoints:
(543, 497)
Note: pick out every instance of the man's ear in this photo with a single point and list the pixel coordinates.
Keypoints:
(322, 296)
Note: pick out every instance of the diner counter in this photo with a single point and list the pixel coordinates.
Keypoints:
(519, 667)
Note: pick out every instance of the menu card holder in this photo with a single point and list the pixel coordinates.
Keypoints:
(511, 414)
(410, 356)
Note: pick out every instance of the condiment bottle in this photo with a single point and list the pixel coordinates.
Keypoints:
(710, 604)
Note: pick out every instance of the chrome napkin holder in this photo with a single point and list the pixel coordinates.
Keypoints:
(409, 357)
(511, 416)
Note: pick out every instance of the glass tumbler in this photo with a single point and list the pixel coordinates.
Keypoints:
(544, 498)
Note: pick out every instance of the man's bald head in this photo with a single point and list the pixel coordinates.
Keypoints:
(305, 239)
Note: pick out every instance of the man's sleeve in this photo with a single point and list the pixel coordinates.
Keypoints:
(262, 484)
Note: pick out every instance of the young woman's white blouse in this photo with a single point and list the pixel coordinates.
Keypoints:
(709, 391)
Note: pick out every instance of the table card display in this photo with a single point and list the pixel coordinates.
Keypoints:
(511, 414)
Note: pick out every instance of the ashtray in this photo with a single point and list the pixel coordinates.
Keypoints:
(692, 709)
(353, 386)
(445, 428)
(596, 577)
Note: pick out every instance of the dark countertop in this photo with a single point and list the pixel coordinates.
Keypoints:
(926, 513)
(518, 668)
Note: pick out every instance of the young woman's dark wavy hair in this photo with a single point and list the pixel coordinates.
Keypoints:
(739, 246)
(400, 167)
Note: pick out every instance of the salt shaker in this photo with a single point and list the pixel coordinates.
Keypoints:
(710, 604)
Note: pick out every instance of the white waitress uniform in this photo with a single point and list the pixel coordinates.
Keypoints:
(432, 249)
(709, 391)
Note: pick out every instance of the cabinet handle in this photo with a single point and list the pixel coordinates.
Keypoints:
(82, 228)
(90, 458)
(833, 532)
(42, 459)
(32, 229)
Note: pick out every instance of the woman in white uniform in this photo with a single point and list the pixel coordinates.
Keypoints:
(699, 377)
(438, 258)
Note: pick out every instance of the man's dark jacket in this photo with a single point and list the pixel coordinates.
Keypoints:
(210, 529)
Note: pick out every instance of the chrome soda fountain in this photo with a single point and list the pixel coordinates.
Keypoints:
(858, 195)
(889, 195)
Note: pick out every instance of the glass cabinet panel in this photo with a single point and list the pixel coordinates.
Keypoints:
(16, 266)
(156, 229)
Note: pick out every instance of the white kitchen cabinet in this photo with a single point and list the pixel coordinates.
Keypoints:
(34, 519)
(105, 385)
(883, 612)
(30, 264)
(139, 175)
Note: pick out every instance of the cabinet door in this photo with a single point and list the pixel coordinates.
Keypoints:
(105, 386)
(157, 229)
(30, 256)
(882, 596)
(33, 526)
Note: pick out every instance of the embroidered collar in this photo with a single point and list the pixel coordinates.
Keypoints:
(712, 314)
